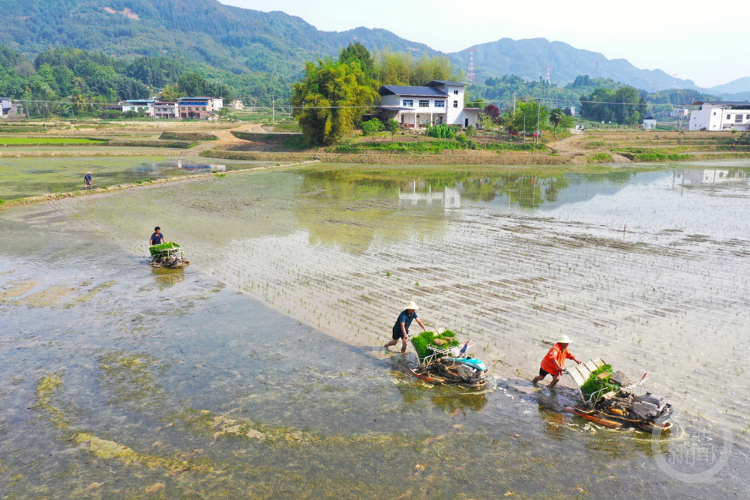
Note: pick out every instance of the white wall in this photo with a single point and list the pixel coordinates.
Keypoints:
(455, 93)
(714, 119)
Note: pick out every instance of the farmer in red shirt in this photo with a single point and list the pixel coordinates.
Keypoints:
(554, 362)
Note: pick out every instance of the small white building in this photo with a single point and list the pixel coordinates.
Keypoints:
(139, 105)
(438, 102)
(717, 116)
(649, 123)
(217, 103)
(236, 105)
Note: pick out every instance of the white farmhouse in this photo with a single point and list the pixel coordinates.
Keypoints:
(438, 102)
(718, 116)
(649, 123)
(138, 105)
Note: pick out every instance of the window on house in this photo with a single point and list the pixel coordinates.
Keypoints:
(408, 103)
(455, 104)
(714, 113)
(439, 104)
(455, 92)
(424, 103)
(729, 117)
(737, 118)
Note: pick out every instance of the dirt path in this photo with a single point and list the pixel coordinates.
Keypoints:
(226, 138)
(574, 148)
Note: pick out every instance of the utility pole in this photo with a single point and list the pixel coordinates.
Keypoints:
(514, 103)
(524, 125)
(538, 114)
(273, 109)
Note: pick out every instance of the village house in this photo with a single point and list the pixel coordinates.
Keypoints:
(649, 123)
(717, 116)
(146, 106)
(236, 105)
(438, 102)
(7, 107)
(199, 108)
(166, 110)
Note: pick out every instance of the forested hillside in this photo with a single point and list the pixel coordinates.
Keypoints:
(243, 41)
(228, 38)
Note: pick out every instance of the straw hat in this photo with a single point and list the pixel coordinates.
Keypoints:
(564, 340)
(412, 305)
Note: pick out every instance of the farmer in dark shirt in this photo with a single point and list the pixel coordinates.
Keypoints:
(401, 328)
(88, 180)
(157, 238)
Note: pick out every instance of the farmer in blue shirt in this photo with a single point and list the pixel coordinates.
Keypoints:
(157, 238)
(401, 328)
(88, 181)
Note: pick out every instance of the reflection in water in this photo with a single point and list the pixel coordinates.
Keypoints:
(696, 177)
(448, 198)
(166, 278)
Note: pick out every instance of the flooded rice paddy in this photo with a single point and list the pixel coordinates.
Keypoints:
(257, 371)
(25, 177)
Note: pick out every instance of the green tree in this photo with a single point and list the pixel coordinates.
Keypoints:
(372, 126)
(356, 52)
(527, 112)
(555, 118)
(171, 93)
(330, 100)
(192, 84)
(392, 127)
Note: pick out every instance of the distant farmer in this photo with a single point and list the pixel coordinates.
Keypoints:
(157, 238)
(401, 328)
(88, 180)
(554, 362)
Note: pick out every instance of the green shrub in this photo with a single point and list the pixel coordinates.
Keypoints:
(294, 142)
(660, 157)
(594, 384)
(602, 158)
(372, 126)
(160, 248)
(421, 341)
(443, 131)
(139, 182)
(471, 131)
(188, 136)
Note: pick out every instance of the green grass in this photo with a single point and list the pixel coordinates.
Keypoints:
(188, 136)
(154, 144)
(660, 157)
(434, 147)
(295, 142)
(602, 158)
(286, 127)
(47, 141)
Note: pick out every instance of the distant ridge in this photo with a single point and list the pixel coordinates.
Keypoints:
(242, 40)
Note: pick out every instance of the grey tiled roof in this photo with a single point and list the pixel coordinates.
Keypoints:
(411, 91)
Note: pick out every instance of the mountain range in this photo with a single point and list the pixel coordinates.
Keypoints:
(243, 40)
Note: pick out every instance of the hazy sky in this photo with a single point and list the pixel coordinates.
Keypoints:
(708, 43)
